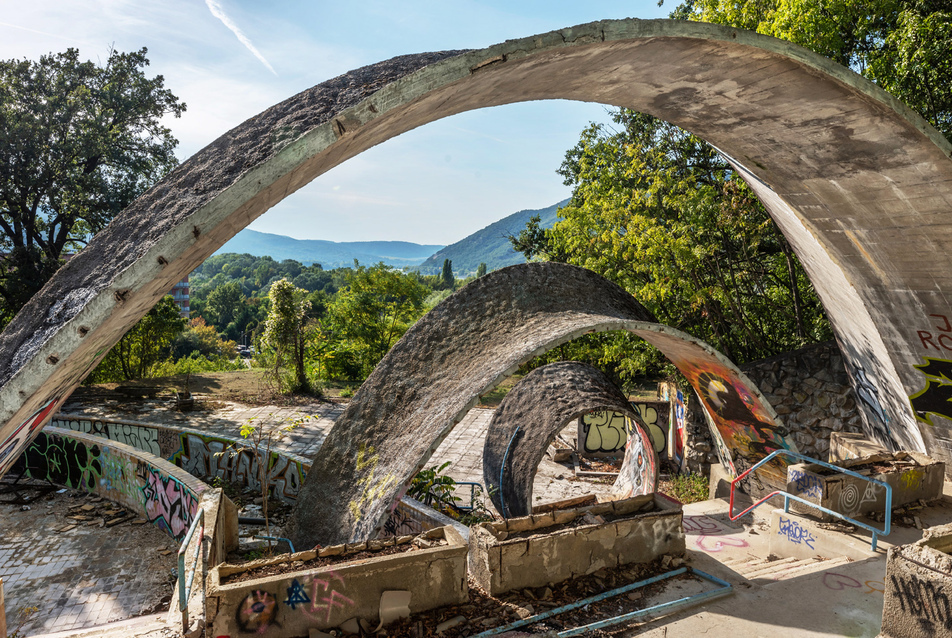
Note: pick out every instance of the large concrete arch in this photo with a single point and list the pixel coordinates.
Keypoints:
(532, 414)
(861, 186)
(463, 348)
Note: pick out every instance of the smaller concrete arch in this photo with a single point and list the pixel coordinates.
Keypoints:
(463, 348)
(536, 409)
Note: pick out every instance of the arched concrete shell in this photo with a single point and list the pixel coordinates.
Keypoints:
(463, 348)
(860, 185)
(532, 414)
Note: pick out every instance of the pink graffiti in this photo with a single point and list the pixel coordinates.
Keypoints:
(720, 542)
(327, 602)
(838, 582)
(168, 504)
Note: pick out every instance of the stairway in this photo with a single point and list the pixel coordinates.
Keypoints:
(764, 571)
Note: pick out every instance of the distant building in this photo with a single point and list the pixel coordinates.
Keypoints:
(179, 293)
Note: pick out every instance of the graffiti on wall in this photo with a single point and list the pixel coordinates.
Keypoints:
(169, 505)
(936, 397)
(257, 612)
(140, 437)
(796, 533)
(63, 461)
(657, 422)
(603, 432)
(210, 456)
(373, 488)
(17, 442)
(678, 427)
(806, 484)
(639, 471)
(925, 601)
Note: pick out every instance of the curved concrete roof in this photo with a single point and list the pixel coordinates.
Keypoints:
(860, 185)
(463, 348)
(532, 414)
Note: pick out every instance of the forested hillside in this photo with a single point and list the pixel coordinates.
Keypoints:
(489, 245)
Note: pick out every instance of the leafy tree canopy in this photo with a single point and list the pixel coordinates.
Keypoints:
(78, 143)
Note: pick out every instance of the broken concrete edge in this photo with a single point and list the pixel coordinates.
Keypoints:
(918, 598)
(499, 564)
(156, 490)
(845, 446)
(326, 597)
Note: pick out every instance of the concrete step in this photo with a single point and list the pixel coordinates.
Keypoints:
(766, 571)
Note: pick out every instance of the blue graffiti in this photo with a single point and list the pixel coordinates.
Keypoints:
(296, 595)
(796, 533)
(807, 484)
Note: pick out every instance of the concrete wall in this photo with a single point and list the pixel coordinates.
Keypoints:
(811, 392)
(637, 530)
(153, 488)
(321, 598)
(918, 598)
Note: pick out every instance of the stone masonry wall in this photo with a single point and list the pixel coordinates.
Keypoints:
(811, 392)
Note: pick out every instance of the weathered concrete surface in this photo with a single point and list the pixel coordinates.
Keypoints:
(534, 551)
(860, 185)
(918, 597)
(531, 415)
(466, 346)
(912, 477)
(325, 597)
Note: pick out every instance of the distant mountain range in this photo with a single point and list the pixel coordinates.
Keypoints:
(329, 254)
(490, 245)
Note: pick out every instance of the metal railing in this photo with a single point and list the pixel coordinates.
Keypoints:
(474, 490)
(185, 590)
(787, 496)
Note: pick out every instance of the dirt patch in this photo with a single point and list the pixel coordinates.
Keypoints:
(484, 612)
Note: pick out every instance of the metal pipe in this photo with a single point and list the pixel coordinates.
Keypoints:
(251, 520)
(581, 603)
(278, 538)
(185, 589)
(617, 620)
(502, 469)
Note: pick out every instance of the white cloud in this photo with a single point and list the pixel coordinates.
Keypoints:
(219, 12)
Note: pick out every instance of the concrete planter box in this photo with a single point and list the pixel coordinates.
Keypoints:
(918, 598)
(912, 476)
(526, 552)
(291, 604)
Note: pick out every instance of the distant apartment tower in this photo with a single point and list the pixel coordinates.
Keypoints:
(180, 295)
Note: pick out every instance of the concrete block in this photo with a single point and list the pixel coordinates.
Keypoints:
(918, 598)
(851, 445)
(324, 597)
(650, 527)
(911, 475)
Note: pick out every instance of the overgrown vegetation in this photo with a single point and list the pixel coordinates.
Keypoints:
(434, 488)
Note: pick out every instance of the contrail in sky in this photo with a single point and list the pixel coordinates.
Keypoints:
(218, 12)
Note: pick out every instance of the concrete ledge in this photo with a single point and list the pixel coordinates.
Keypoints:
(325, 597)
(165, 495)
(911, 475)
(637, 530)
(794, 536)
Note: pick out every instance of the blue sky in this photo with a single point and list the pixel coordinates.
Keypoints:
(231, 59)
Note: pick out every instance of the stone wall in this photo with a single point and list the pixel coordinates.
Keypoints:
(811, 392)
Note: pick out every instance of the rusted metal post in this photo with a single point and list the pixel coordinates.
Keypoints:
(3, 613)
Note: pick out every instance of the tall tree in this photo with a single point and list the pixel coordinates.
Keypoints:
(78, 143)
(659, 212)
(374, 310)
(902, 45)
(284, 333)
(447, 275)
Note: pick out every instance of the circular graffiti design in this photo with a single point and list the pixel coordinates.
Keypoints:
(849, 498)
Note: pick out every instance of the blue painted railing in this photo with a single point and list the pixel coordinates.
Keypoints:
(787, 496)
(185, 590)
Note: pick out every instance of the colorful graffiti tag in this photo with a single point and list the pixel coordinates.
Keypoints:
(603, 432)
(936, 397)
(169, 505)
(138, 436)
(639, 471)
(17, 442)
